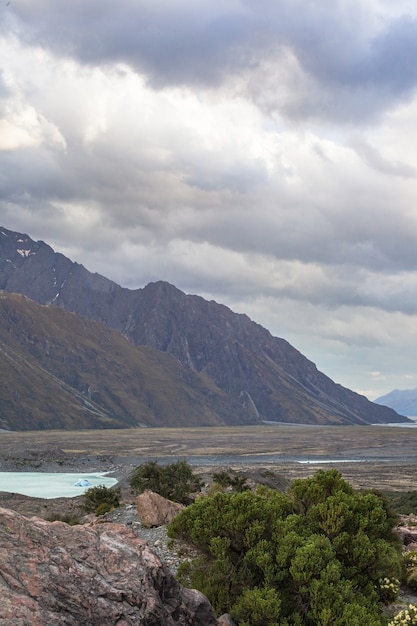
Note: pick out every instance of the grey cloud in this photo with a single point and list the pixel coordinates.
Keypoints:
(393, 56)
(357, 72)
(233, 210)
(173, 43)
(375, 160)
(238, 177)
(4, 89)
(360, 237)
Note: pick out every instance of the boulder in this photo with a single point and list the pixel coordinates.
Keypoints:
(154, 510)
(226, 620)
(407, 529)
(97, 575)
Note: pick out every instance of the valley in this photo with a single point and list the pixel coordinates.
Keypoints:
(379, 457)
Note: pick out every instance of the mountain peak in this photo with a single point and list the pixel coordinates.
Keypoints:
(268, 378)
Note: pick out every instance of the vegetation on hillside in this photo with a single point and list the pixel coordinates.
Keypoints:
(320, 554)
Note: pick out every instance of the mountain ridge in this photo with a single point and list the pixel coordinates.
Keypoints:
(404, 400)
(267, 376)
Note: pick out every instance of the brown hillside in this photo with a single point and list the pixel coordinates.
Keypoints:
(58, 370)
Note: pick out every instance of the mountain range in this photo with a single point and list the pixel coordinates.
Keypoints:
(152, 356)
(403, 401)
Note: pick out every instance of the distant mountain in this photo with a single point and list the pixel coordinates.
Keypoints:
(403, 401)
(264, 375)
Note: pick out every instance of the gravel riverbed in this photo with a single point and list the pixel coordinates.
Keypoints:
(156, 538)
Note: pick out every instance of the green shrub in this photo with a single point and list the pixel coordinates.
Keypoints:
(311, 557)
(101, 499)
(175, 481)
(236, 483)
(263, 605)
(103, 508)
(404, 502)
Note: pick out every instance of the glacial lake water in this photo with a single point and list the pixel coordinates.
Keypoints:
(51, 484)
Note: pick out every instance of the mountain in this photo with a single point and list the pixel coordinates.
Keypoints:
(61, 371)
(403, 401)
(264, 375)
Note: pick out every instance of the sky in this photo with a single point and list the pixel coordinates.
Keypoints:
(260, 154)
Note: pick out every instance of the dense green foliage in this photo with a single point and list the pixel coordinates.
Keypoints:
(314, 556)
(101, 499)
(225, 479)
(404, 502)
(174, 481)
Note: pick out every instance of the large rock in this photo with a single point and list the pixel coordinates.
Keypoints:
(407, 529)
(154, 510)
(53, 573)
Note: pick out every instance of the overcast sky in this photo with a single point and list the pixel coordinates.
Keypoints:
(261, 154)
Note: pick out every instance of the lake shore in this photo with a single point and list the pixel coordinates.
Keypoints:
(377, 457)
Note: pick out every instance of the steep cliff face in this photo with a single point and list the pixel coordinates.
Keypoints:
(102, 575)
(269, 378)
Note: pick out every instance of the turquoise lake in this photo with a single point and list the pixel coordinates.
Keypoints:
(50, 485)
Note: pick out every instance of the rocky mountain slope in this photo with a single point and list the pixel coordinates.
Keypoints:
(61, 371)
(269, 378)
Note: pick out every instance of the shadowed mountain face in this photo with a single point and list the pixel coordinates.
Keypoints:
(61, 371)
(264, 377)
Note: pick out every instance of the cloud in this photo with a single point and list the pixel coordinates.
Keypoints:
(374, 159)
(257, 155)
(302, 59)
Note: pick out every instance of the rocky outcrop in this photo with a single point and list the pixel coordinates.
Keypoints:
(98, 575)
(154, 510)
(407, 530)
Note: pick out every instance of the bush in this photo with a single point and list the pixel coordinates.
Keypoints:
(101, 499)
(69, 518)
(404, 502)
(225, 480)
(175, 481)
(313, 556)
(388, 589)
(410, 561)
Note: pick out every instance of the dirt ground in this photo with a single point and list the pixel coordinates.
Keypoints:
(377, 457)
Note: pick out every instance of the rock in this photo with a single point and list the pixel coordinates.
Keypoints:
(226, 620)
(407, 535)
(407, 529)
(97, 575)
(154, 510)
